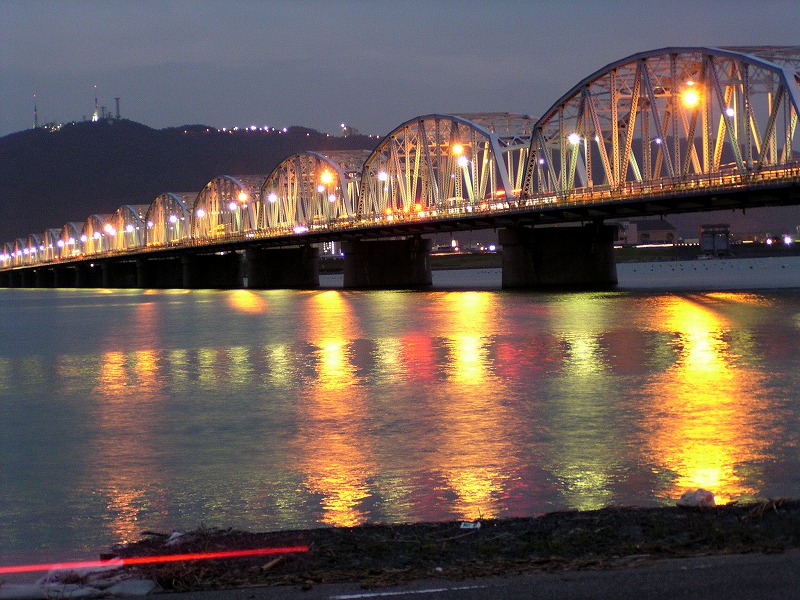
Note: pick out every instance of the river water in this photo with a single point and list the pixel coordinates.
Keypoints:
(128, 410)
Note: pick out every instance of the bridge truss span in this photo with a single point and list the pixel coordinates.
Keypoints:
(227, 207)
(663, 119)
(436, 165)
(312, 190)
(168, 219)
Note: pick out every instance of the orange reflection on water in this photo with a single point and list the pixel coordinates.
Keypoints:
(334, 441)
(247, 301)
(129, 385)
(476, 452)
(705, 425)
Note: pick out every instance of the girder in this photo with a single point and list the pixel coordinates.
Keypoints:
(227, 206)
(310, 190)
(128, 227)
(169, 217)
(69, 241)
(740, 102)
(96, 234)
(441, 164)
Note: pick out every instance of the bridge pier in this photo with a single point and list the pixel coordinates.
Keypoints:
(282, 268)
(387, 263)
(559, 257)
(212, 271)
(113, 274)
(161, 272)
(11, 279)
(44, 277)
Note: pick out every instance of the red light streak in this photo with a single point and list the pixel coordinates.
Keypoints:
(143, 560)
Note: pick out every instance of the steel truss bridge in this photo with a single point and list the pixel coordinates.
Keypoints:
(665, 131)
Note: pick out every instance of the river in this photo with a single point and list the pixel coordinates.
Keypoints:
(130, 410)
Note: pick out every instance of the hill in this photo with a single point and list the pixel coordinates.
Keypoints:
(48, 178)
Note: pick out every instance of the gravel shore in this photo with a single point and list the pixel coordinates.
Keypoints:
(386, 554)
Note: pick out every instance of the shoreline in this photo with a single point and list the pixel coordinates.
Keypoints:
(378, 555)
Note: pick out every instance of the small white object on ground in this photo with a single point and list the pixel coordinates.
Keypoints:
(700, 498)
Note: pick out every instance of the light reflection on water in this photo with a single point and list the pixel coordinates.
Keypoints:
(128, 411)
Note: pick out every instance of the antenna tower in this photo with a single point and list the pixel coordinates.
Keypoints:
(96, 114)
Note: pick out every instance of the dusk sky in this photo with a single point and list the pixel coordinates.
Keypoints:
(371, 65)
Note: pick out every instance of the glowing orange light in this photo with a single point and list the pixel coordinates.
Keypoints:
(142, 560)
(499, 193)
(388, 211)
(691, 98)
(243, 196)
(326, 177)
(458, 149)
(418, 207)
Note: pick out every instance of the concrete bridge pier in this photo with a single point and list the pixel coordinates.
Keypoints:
(44, 277)
(212, 271)
(15, 279)
(84, 275)
(118, 274)
(388, 264)
(26, 278)
(159, 272)
(282, 268)
(559, 257)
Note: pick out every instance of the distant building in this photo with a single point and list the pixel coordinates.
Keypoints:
(650, 231)
(715, 240)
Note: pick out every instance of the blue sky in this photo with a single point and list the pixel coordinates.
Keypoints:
(371, 65)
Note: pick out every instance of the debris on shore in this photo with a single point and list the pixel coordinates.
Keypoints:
(386, 554)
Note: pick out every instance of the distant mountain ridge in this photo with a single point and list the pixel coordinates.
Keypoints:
(50, 178)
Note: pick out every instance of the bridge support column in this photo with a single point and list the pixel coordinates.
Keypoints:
(45, 277)
(387, 263)
(559, 257)
(26, 278)
(85, 275)
(212, 271)
(282, 268)
(162, 273)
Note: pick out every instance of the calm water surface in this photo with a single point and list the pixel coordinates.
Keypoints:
(125, 411)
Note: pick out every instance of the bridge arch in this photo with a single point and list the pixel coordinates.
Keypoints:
(50, 239)
(69, 241)
(35, 248)
(128, 228)
(669, 115)
(21, 252)
(7, 254)
(168, 220)
(227, 206)
(96, 234)
(312, 189)
(438, 164)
